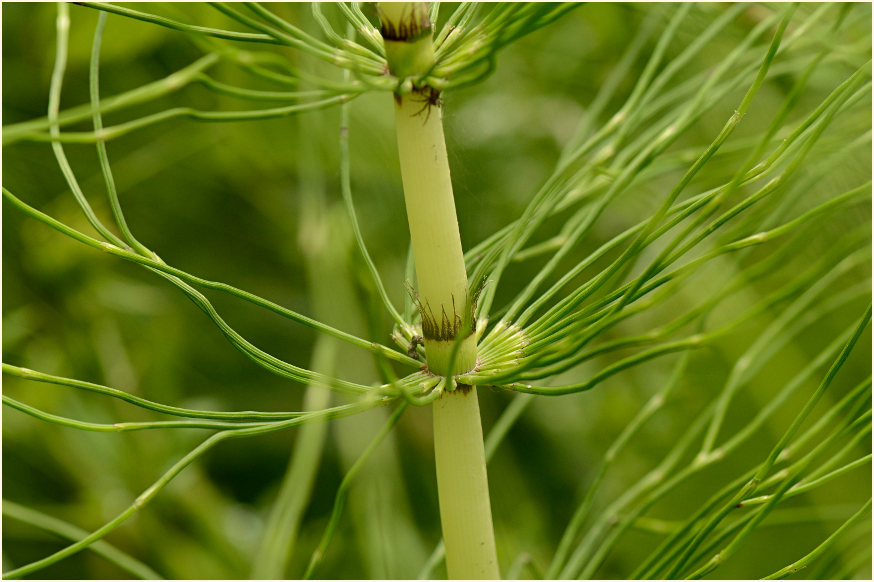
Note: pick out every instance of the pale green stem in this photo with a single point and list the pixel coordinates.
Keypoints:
(442, 278)
(462, 486)
(443, 294)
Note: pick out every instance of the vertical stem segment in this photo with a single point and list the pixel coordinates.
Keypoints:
(442, 279)
(463, 488)
(444, 298)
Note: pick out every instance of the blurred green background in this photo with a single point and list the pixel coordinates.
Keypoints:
(247, 204)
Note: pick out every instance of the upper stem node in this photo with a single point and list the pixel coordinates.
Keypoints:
(406, 31)
(404, 21)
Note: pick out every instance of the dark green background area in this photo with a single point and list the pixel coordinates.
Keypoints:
(235, 203)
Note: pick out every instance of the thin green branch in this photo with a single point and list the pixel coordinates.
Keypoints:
(146, 496)
(181, 26)
(802, 563)
(62, 40)
(604, 319)
(346, 189)
(726, 131)
(347, 53)
(343, 490)
(806, 486)
(147, 92)
(115, 131)
(162, 267)
(652, 406)
(300, 41)
(69, 531)
(123, 426)
(762, 471)
(661, 557)
(103, 156)
(258, 95)
(655, 482)
(28, 374)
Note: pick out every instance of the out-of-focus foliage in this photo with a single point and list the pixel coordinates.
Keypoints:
(253, 203)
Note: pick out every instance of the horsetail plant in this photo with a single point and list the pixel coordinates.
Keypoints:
(698, 249)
